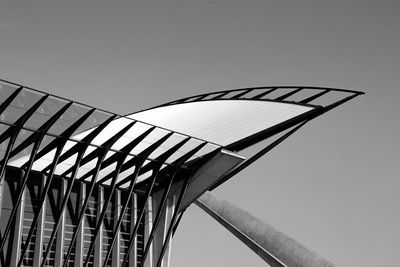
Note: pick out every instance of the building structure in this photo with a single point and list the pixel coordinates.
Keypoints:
(82, 186)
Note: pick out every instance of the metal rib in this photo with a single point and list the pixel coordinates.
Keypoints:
(80, 149)
(59, 146)
(105, 146)
(13, 132)
(242, 93)
(178, 221)
(6, 157)
(271, 131)
(11, 142)
(40, 133)
(264, 93)
(149, 189)
(118, 224)
(283, 97)
(100, 153)
(176, 169)
(114, 158)
(340, 102)
(24, 118)
(161, 158)
(26, 175)
(142, 158)
(311, 98)
(140, 162)
(36, 214)
(126, 150)
(258, 155)
(9, 99)
(36, 139)
(173, 219)
(20, 195)
(142, 211)
(218, 96)
(64, 136)
(84, 206)
(85, 141)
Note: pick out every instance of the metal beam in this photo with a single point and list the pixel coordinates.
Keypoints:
(37, 139)
(117, 214)
(162, 158)
(23, 119)
(117, 157)
(271, 131)
(258, 155)
(59, 253)
(58, 145)
(12, 133)
(119, 221)
(9, 99)
(17, 237)
(173, 220)
(178, 163)
(139, 162)
(40, 133)
(64, 136)
(84, 143)
(80, 231)
(117, 171)
(311, 98)
(138, 219)
(80, 150)
(132, 254)
(37, 255)
(283, 97)
(99, 220)
(81, 215)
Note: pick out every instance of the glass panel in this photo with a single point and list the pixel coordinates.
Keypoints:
(22, 102)
(48, 108)
(5, 91)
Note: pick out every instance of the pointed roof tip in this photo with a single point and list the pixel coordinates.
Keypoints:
(356, 92)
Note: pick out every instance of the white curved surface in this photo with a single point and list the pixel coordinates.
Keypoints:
(221, 121)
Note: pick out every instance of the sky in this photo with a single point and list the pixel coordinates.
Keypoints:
(333, 186)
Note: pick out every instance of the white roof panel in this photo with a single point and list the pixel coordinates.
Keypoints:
(220, 121)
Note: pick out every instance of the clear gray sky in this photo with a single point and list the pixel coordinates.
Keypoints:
(334, 185)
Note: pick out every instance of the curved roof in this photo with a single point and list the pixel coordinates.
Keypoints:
(221, 121)
(172, 133)
(239, 118)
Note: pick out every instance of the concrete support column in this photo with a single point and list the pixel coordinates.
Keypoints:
(134, 218)
(59, 256)
(98, 249)
(17, 237)
(117, 246)
(274, 247)
(148, 225)
(2, 184)
(80, 237)
(160, 228)
(3, 146)
(160, 234)
(171, 206)
(38, 254)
